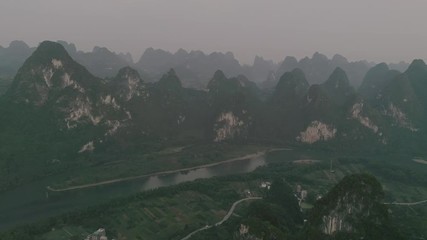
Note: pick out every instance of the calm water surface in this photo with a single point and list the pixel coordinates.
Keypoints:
(30, 203)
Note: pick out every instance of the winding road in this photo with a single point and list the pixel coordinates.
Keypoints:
(226, 217)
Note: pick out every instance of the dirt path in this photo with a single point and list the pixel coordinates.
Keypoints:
(249, 156)
(226, 217)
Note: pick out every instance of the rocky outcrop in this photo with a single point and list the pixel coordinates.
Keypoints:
(353, 207)
(357, 113)
(227, 126)
(317, 131)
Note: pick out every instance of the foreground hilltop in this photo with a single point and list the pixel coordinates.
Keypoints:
(353, 209)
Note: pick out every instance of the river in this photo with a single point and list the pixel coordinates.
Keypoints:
(33, 202)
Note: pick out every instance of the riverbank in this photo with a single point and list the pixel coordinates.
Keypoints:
(89, 185)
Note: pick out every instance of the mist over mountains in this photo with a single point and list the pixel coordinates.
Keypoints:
(66, 111)
(12, 57)
(195, 67)
(231, 107)
(79, 113)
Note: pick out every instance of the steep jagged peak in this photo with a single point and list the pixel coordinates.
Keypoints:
(50, 69)
(339, 60)
(18, 45)
(47, 51)
(260, 61)
(12, 58)
(127, 72)
(338, 79)
(103, 50)
(127, 83)
(270, 82)
(217, 79)
(319, 57)
(338, 86)
(235, 90)
(299, 74)
(291, 87)
(288, 64)
(170, 81)
(220, 83)
(417, 65)
(51, 79)
(223, 59)
(262, 65)
(374, 81)
(154, 54)
(219, 75)
(353, 207)
(417, 74)
(380, 67)
(181, 53)
(233, 101)
(156, 61)
(290, 60)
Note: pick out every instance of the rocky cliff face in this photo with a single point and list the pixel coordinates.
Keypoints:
(317, 131)
(234, 103)
(354, 209)
(232, 108)
(128, 84)
(52, 81)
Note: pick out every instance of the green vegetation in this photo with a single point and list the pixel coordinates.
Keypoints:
(356, 206)
(171, 212)
(178, 210)
(4, 84)
(29, 152)
(171, 158)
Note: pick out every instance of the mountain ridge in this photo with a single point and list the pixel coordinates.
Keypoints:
(127, 113)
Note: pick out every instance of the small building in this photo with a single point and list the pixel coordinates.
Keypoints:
(265, 185)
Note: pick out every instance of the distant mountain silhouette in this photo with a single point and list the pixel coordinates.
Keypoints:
(319, 67)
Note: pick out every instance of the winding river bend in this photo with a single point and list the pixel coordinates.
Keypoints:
(32, 202)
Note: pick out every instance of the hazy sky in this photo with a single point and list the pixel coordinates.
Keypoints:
(378, 30)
